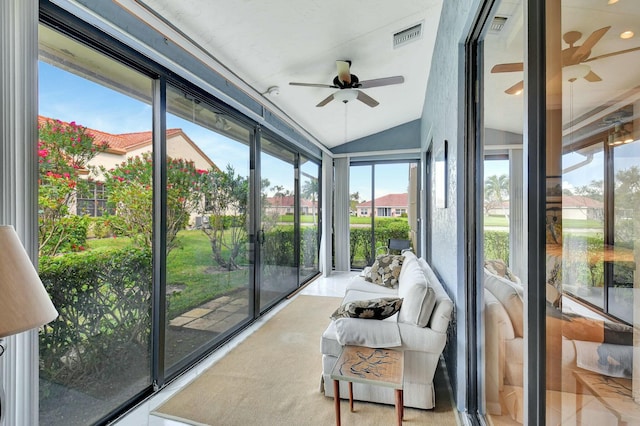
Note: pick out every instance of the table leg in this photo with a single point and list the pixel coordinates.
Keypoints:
(579, 390)
(399, 406)
(351, 396)
(336, 400)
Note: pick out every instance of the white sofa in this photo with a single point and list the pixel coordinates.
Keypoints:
(573, 337)
(419, 331)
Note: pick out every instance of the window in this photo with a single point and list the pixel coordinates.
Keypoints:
(92, 200)
(147, 236)
(377, 195)
(96, 355)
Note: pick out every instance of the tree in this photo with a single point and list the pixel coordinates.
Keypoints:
(627, 205)
(354, 200)
(226, 197)
(595, 190)
(64, 151)
(310, 191)
(130, 192)
(496, 188)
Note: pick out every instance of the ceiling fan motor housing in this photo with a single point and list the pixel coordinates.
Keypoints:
(346, 85)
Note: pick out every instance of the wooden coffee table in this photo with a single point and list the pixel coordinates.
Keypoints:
(612, 392)
(382, 367)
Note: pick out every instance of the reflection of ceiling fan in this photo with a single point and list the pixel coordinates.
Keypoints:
(571, 56)
(349, 84)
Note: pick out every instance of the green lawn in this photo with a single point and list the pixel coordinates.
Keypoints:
(566, 223)
(190, 268)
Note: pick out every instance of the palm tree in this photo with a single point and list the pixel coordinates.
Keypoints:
(496, 188)
(310, 191)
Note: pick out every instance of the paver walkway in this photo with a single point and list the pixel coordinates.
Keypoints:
(217, 315)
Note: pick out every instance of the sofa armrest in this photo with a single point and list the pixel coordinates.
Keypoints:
(422, 339)
(367, 332)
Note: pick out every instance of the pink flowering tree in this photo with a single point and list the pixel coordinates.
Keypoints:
(130, 194)
(64, 150)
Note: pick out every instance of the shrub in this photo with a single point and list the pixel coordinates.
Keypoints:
(496, 245)
(104, 305)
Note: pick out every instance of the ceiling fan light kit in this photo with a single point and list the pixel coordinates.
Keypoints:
(574, 72)
(346, 95)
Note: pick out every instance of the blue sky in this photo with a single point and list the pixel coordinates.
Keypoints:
(67, 97)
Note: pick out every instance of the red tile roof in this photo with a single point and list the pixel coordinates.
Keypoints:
(389, 200)
(580, 201)
(126, 142)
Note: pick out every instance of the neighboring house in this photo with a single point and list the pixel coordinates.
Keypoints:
(573, 207)
(284, 204)
(391, 205)
(127, 145)
(497, 208)
(582, 208)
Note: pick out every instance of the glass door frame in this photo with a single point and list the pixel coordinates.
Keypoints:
(534, 138)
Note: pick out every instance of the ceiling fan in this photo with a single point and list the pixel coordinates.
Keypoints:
(572, 55)
(349, 84)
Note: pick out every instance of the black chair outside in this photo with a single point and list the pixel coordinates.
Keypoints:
(395, 246)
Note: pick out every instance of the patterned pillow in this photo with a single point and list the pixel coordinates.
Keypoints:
(369, 309)
(386, 270)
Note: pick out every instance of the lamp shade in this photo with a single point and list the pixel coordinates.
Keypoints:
(24, 303)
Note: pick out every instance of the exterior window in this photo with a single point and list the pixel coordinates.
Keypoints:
(92, 200)
(381, 211)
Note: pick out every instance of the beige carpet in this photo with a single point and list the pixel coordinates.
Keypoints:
(273, 378)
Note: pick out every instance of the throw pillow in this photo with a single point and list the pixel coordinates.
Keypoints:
(386, 270)
(369, 309)
(499, 268)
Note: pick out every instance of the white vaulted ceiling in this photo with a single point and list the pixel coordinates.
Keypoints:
(272, 43)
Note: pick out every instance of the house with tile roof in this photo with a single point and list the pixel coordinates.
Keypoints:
(284, 204)
(390, 205)
(122, 146)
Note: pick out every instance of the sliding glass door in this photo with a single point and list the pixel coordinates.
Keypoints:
(381, 208)
(278, 223)
(208, 273)
(168, 221)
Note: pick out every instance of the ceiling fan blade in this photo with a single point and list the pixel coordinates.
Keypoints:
(510, 67)
(325, 101)
(591, 41)
(328, 86)
(386, 81)
(363, 97)
(516, 89)
(606, 55)
(344, 71)
(592, 77)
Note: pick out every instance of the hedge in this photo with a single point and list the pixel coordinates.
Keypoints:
(104, 305)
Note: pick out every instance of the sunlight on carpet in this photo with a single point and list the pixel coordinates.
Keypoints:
(273, 377)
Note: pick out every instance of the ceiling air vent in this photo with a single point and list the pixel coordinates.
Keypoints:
(407, 36)
(497, 24)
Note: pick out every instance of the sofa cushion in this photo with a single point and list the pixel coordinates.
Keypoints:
(359, 284)
(386, 270)
(509, 295)
(441, 316)
(372, 334)
(379, 309)
(418, 298)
